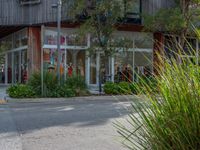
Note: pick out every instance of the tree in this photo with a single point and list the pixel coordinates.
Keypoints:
(100, 18)
(179, 20)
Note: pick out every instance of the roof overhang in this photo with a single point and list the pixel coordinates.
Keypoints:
(6, 30)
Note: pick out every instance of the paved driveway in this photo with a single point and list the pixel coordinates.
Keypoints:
(63, 125)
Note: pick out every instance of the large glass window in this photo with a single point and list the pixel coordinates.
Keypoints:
(133, 11)
(76, 40)
(143, 64)
(93, 69)
(50, 59)
(143, 41)
(20, 38)
(75, 62)
(133, 6)
(50, 38)
(123, 66)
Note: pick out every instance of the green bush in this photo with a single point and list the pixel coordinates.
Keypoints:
(35, 82)
(144, 82)
(133, 88)
(73, 86)
(76, 82)
(117, 88)
(21, 91)
(124, 88)
(170, 118)
(111, 88)
(63, 91)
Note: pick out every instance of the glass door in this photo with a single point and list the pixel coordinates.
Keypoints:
(2, 73)
(100, 69)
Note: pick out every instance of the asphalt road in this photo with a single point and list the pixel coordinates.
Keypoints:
(64, 125)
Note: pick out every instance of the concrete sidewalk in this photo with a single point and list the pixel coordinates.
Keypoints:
(8, 140)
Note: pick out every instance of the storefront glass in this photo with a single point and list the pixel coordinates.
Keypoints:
(75, 62)
(105, 68)
(93, 69)
(9, 67)
(24, 66)
(13, 46)
(143, 64)
(123, 66)
(2, 73)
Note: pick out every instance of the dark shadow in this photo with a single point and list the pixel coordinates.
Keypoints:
(35, 116)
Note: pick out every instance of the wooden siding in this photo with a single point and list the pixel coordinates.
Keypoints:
(152, 6)
(12, 13)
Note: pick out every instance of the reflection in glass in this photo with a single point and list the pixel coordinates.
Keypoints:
(2, 73)
(9, 67)
(93, 69)
(123, 66)
(24, 67)
(143, 64)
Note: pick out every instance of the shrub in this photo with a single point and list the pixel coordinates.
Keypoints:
(50, 83)
(76, 82)
(62, 91)
(73, 86)
(21, 91)
(170, 117)
(124, 88)
(111, 88)
(35, 82)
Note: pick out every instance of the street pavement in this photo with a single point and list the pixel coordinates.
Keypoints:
(74, 124)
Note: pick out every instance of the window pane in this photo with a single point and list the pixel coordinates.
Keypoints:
(143, 63)
(2, 73)
(143, 41)
(133, 6)
(10, 67)
(93, 72)
(123, 66)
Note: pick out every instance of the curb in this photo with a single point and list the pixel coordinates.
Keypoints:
(118, 98)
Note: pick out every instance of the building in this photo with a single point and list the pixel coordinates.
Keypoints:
(28, 43)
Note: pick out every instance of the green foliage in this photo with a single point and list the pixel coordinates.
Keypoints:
(117, 88)
(165, 20)
(35, 82)
(76, 82)
(170, 117)
(73, 86)
(124, 88)
(62, 91)
(21, 91)
(50, 83)
(100, 21)
(179, 19)
(111, 88)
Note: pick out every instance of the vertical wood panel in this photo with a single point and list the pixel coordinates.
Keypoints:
(12, 13)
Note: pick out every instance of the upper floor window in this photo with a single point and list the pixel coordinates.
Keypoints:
(132, 11)
(28, 2)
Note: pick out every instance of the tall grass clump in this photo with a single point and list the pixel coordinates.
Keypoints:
(170, 117)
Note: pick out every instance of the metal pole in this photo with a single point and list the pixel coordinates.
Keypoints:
(42, 61)
(59, 7)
